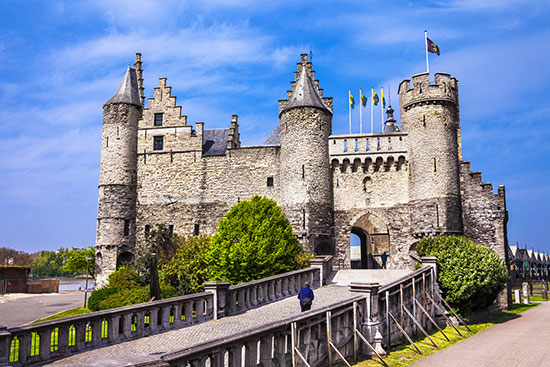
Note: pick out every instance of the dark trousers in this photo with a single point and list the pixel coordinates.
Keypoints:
(305, 307)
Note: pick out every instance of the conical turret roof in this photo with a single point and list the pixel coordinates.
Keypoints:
(305, 94)
(128, 92)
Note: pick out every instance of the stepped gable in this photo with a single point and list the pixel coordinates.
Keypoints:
(305, 94)
(275, 137)
(128, 91)
(214, 142)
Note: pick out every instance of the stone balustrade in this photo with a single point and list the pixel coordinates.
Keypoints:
(253, 294)
(55, 339)
(271, 345)
(58, 338)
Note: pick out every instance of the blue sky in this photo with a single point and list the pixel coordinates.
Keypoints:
(61, 60)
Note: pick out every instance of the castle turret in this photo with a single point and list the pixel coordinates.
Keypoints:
(430, 116)
(116, 214)
(305, 125)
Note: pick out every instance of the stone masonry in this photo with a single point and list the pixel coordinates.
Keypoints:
(390, 188)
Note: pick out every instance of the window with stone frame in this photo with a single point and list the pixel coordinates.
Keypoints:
(158, 119)
(269, 181)
(158, 142)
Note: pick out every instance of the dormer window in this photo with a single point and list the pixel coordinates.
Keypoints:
(158, 119)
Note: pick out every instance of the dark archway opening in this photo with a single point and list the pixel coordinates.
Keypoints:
(324, 248)
(362, 257)
(125, 258)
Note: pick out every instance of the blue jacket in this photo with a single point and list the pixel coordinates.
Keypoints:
(305, 293)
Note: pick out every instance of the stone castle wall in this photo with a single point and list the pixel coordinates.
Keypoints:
(184, 189)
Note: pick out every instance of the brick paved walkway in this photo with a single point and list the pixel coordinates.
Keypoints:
(524, 341)
(151, 347)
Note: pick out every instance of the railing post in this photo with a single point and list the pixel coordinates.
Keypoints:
(45, 343)
(5, 340)
(371, 322)
(220, 290)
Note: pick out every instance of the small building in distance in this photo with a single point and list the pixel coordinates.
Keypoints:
(14, 278)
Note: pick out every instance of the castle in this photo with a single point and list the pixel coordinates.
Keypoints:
(390, 188)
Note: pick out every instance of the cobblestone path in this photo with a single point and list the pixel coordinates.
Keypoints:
(151, 347)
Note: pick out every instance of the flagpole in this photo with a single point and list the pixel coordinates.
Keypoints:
(371, 109)
(360, 111)
(426, 42)
(349, 107)
(382, 107)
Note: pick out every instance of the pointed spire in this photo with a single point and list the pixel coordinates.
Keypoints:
(305, 94)
(390, 125)
(128, 91)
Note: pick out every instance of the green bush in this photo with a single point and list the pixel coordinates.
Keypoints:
(253, 241)
(99, 295)
(125, 297)
(187, 270)
(124, 277)
(470, 276)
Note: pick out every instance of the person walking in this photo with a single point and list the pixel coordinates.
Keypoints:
(306, 297)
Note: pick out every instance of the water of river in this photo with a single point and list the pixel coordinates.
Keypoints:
(74, 284)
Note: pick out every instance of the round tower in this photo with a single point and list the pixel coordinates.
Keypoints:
(430, 116)
(306, 196)
(116, 214)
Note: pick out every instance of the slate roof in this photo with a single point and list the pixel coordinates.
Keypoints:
(275, 137)
(128, 91)
(214, 142)
(305, 94)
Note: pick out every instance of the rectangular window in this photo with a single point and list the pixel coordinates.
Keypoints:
(147, 228)
(158, 119)
(171, 229)
(197, 229)
(126, 227)
(158, 142)
(269, 181)
(345, 145)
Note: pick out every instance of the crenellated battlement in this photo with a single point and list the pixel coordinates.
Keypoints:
(445, 90)
(473, 181)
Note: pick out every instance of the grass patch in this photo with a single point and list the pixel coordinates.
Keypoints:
(67, 313)
(405, 354)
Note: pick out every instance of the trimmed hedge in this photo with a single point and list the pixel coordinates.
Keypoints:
(469, 275)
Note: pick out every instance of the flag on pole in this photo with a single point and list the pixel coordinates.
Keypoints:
(363, 100)
(351, 100)
(375, 98)
(383, 99)
(432, 47)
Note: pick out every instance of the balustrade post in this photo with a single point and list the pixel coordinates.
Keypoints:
(319, 263)
(63, 339)
(278, 293)
(279, 354)
(153, 318)
(253, 296)
(97, 326)
(235, 356)
(45, 343)
(5, 340)
(241, 299)
(188, 314)
(220, 290)
(265, 351)
(24, 347)
(251, 353)
(113, 330)
(127, 325)
(371, 322)
(80, 335)
(232, 307)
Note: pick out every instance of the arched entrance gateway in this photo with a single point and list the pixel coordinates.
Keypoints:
(369, 239)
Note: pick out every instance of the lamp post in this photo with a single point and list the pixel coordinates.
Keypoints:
(88, 258)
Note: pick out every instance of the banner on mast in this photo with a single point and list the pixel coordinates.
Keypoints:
(432, 47)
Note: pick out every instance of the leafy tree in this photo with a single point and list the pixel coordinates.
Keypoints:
(470, 276)
(160, 241)
(253, 241)
(49, 264)
(9, 256)
(188, 269)
(75, 260)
